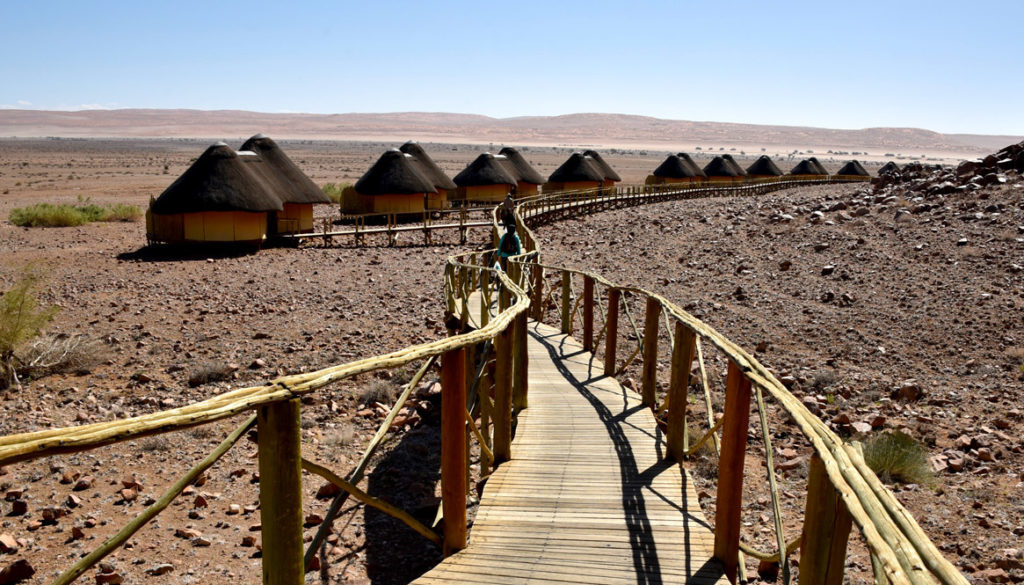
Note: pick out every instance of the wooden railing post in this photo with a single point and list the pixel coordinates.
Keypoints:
(538, 293)
(827, 525)
(520, 364)
(566, 302)
(682, 361)
(588, 313)
(485, 309)
(280, 453)
(650, 372)
(502, 415)
(730, 470)
(612, 339)
(453, 449)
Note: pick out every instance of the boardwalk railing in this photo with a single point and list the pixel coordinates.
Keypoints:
(841, 488)
(483, 377)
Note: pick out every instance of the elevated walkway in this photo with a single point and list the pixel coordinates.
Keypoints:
(588, 496)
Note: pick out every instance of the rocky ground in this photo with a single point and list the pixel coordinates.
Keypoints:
(851, 293)
(896, 306)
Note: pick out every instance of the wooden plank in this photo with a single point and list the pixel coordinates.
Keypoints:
(612, 339)
(650, 355)
(682, 361)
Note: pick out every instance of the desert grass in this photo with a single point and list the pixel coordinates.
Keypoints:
(898, 458)
(333, 191)
(380, 391)
(207, 372)
(64, 215)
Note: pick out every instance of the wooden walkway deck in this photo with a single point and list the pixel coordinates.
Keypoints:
(588, 496)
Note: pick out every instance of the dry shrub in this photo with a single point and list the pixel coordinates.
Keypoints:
(336, 441)
(155, 443)
(378, 391)
(207, 372)
(61, 354)
(898, 458)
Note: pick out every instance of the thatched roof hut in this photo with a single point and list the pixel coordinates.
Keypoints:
(578, 172)
(853, 169)
(720, 170)
(293, 187)
(817, 164)
(394, 184)
(889, 167)
(430, 168)
(764, 166)
(217, 199)
(807, 167)
(735, 165)
(528, 179)
(609, 172)
(487, 178)
(676, 169)
(692, 163)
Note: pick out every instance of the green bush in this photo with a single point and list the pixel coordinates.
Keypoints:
(333, 191)
(21, 320)
(898, 458)
(64, 215)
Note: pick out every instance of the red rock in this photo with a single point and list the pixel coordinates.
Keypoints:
(73, 501)
(200, 502)
(129, 494)
(994, 575)
(313, 519)
(12, 495)
(248, 541)
(83, 483)
(77, 533)
(161, 569)
(8, 544)
(234, 509)
(188, 533)
(109, 579)
(16, 572)
(130, 482)
(19, 507)
(327, 490)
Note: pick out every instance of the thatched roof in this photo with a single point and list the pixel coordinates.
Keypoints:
(297, 187)
(675, 167)
(853, 168)
(217, 181)
(692, 163)
(523, 170)
(609, 172)
(806, 167)
(818, 165)
(429, 168)
(395, 172)
(889, 167)
(735, 165)
(764, 166)
(577, 168)
(486, 169)
(720, 167)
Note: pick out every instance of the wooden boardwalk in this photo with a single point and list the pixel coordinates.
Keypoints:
(588, 496)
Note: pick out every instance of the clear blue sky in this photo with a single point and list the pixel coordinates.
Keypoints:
(945, 66)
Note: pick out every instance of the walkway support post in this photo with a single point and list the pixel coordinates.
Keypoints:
(520, 364)
(827, 525)
(588, 313)
(612, 340)
(566, 302)
(730, 470)
(280, 453)
(453, 449)
(537, 302)
(650, 372)
(502, 415)
(682, 361)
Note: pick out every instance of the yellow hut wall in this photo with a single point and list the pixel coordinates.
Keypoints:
(207, 226)
(295, 218)
(571, 186)
(486, 193)
(438, 200)
(397, 203)
(527, 189)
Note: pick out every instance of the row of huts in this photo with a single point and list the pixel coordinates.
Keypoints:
(235, 196)
(255, 192)
(407, 180)
(681, 168)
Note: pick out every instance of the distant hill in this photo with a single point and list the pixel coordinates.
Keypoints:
(569, 130)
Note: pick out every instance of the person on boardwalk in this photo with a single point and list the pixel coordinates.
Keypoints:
(506, 213)
(509, 245)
